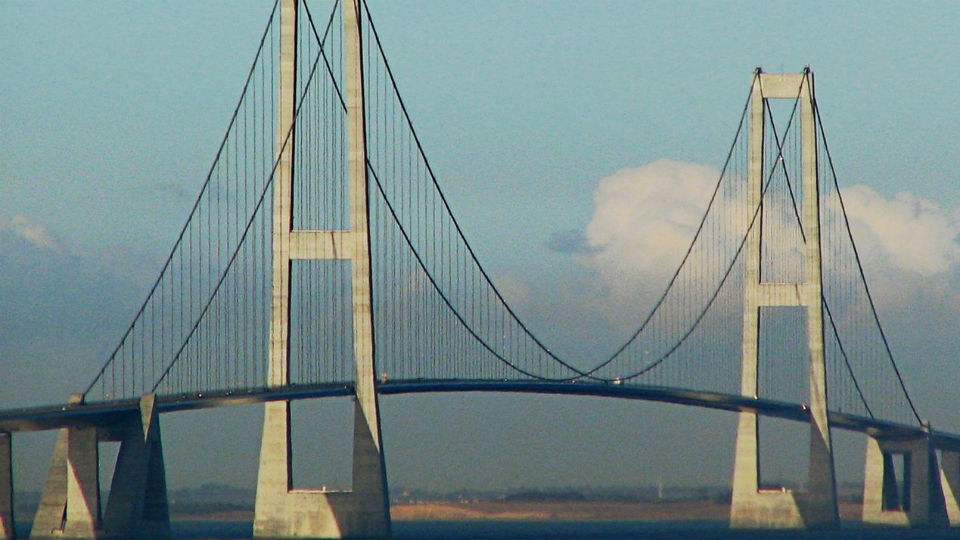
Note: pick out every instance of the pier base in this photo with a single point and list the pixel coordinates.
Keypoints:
(917, 500)
(282, 512)
(755, 508)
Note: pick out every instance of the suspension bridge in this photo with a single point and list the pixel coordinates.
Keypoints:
(322, 259)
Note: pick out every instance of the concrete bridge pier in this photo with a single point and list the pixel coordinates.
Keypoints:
(283, 512)
(950, 484)
(753, 507)
(137, 508)
(6, 487)
(917, 498)
(70, 504)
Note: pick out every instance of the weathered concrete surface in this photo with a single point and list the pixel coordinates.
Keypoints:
(138, 507)
(950, 483)
(70, 504)
(923, 500)
(282, 512)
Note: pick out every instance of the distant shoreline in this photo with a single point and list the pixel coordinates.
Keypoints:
(560, 510)
(685, 510)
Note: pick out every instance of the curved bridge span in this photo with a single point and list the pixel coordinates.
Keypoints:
(108, 412)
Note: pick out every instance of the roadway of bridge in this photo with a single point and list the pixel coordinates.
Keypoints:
(107, 413)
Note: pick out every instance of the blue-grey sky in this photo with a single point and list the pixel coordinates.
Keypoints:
(111, 112)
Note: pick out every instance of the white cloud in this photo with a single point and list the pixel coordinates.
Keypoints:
(32, 232)
(910, 234)
(645, 217)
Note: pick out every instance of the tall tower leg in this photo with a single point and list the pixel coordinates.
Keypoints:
(280, 510)
(751, 507)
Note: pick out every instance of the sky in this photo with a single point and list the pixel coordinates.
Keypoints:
(532, 114)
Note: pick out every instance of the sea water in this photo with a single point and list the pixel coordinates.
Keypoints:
(587, 530)
(570, 530)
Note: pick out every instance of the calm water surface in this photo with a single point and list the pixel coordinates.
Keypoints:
(589, 530)
(561, 530)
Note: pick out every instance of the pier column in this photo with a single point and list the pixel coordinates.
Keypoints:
(70, 504)
(751, 507)
(138, 507)
(7, 531)
(281, 511)
(950, 483)
(917, 500)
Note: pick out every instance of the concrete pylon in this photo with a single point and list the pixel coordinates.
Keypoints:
(138, 507)
(280, 510)
(919, 498)
(7, 530)
(70, 504)
(751, 507)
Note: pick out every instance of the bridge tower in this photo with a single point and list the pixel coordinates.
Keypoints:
(751, 506)
(282, 511)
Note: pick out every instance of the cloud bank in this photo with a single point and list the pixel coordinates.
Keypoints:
(909, 234)
(645, 217)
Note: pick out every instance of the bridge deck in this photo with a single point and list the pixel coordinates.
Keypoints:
(109, 412)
